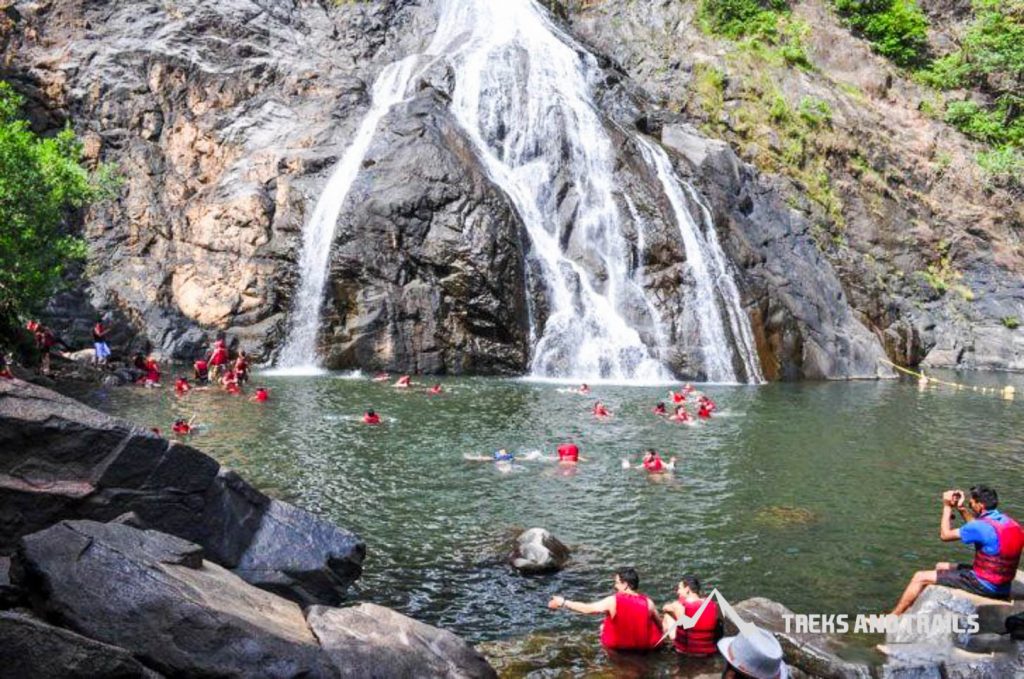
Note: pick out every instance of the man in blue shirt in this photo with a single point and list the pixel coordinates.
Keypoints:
(997, 540)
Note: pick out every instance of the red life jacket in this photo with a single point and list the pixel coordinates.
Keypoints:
(678, 397)
(1000, 569)
(181, 428)
(220, 356)
(201, 368)
(704, 413)
(233, 388)
(371, 419)
(262, 395)
(699, 639)
(654, 465)
(568, 452)
(181, 386)
(632, 628)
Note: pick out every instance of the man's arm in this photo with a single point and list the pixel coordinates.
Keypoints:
(606, 605)
(946, 531)
(673, 607)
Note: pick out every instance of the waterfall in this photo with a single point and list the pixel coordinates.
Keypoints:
(299, 352)
(715, 290)
(523, 95)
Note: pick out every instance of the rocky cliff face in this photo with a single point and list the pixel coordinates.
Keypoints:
(226, 119)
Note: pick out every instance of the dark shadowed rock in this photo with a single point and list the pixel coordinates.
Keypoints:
(373, 642)
(33, 648)
(538, 551)
(152, 594)
(62, 460)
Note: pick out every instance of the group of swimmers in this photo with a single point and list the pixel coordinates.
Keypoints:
(403, 382)
(632, 622)
(705, 406)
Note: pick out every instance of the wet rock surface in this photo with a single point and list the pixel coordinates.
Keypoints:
(62, 460)
(538, 551)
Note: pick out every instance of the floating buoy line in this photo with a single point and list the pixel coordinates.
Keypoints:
(924, 381)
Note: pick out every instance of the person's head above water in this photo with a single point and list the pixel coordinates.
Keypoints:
(627, 578)
(370, 412)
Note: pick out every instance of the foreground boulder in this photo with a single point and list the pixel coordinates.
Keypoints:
(538, 551)
(42, 650)
(152, 594)
(370, 642)
(62, 460)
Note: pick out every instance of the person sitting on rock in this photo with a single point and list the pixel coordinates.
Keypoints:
(631, 620)
(997, 540)
(600, 411)
(370, 417)
(659, 409)
(242, 368)
(698, 640)
(99, 342)
(201, 370)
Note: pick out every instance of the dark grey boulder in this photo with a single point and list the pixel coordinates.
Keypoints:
(373, 642)
(33, 648)
(538, 551)
(62, 460)
(153, 595)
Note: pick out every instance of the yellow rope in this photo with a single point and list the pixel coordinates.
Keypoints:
(1007, 391)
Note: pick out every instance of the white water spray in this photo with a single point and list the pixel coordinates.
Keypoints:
(299, 353)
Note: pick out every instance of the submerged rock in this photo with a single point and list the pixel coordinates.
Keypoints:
(538, 551)
(373, 642)
(62, 460)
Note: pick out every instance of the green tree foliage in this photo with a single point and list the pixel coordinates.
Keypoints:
(42, 182)
(896, 29)
(736, 18)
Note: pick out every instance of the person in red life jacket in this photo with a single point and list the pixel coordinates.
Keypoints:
(404, 382)
(600, 411)
(434, 390)
(997, 540)
(382, 377)
(218, 359)
(584, 389)
(568, 453)
(703, 411)
(152, 378)
(181, 427)
(261, 395)
(631, 620)
(230, 382)
(700, 639)
(370, 417)
(242, 368)
(688, 389)
(5, 368)
(45, 341)
(652, 462)
(659, 409)
(704, 400)
(99, 342)
(201, 370)
(677, 396)
(680, 415)
(181, 386)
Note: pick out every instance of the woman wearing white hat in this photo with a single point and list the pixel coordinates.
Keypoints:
(753, 655)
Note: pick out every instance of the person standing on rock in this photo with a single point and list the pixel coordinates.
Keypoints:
(99, 342)
(997, 540)
(631, 620)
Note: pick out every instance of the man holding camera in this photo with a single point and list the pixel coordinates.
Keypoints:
(997, 540)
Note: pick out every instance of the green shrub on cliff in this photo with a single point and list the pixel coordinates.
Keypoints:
(42, 183)
(736, 18)
(896, 29)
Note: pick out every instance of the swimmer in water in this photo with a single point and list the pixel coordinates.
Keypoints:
(370, 417)
(434, 390)
(584, 389)
(712, 407)
(660, 409)
(703, 411)
(230, 382)
(600, 411)
(182, 427)
(382, 377)
(181, 386)
(502, 455)
(261, 395)
(680, 415)
(652, 463)
(677, 396)
(404, 382)
(688, 388)
(569, 453)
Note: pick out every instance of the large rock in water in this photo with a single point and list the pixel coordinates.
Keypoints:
(538, 551)
(62, 460)
(373, 642)
(42, 650)
(153, 594)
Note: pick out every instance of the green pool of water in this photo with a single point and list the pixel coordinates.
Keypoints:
(823, 496)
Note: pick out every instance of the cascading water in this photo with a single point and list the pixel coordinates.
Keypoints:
(299, 353)
(715, 291)
(523, 95)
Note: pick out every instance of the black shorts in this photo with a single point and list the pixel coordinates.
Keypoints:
(962, 577)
